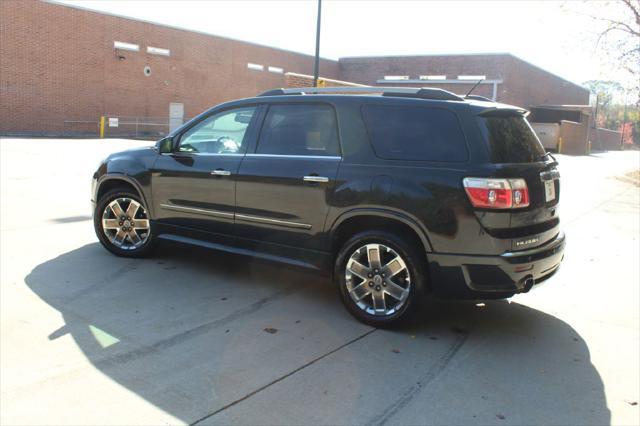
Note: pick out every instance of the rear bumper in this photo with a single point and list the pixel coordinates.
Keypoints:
(456, 276)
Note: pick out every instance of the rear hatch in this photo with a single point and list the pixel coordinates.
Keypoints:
(516, 154)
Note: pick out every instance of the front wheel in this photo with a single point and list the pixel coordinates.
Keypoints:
(122, 224)
(380, 277)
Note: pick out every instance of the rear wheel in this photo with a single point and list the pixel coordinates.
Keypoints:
(379, 277)
(122, 224)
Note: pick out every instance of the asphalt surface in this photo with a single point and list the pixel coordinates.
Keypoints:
(89, 338)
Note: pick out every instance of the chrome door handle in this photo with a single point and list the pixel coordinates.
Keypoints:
(220, 172)
(319, 179)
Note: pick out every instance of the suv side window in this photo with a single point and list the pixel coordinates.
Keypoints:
(302, 129)
(221, 133)
(415, 133)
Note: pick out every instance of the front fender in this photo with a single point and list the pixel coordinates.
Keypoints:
(132, 167)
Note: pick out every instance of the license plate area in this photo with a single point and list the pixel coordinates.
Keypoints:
(549, 190)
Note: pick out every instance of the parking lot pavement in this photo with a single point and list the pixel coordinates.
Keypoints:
(191, 336)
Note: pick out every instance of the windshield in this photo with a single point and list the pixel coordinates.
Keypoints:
(510, 139)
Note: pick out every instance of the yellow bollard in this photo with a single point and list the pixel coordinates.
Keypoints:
(102, 127)
(559, 145)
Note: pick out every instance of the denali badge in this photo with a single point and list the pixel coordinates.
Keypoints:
(527, 242)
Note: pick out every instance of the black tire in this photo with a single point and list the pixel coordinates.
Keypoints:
(414, 261)
(115, 194)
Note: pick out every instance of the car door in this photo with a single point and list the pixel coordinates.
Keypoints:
(284, 186)
(194, 186)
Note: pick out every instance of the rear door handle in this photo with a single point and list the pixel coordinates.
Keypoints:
(220, 172)
(319, 179)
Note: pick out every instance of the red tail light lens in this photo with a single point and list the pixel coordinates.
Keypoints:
(489, 193)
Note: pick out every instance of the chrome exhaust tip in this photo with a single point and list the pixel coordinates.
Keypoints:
(525, 284)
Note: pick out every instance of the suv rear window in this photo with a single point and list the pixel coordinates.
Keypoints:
(510, 139)
(415, 133)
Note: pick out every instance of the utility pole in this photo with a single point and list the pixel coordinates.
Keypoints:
(316, 66)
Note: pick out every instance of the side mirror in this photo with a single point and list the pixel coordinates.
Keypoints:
(165, 146)
(243, 118)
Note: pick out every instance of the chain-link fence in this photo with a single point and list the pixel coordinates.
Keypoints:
(81, 128)
(135, 127)
(119, 126)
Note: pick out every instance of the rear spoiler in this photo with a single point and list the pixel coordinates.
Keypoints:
(501, 110)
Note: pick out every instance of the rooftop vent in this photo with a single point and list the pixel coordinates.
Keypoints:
(158, 51)
(121, 45)
(472, 77)
(433, 77)
(255, 67)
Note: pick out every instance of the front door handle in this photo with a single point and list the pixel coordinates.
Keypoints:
(220, 172)
(319, 179)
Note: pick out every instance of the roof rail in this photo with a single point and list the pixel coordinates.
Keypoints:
(408, 92)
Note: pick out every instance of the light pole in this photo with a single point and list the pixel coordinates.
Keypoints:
(316, 66)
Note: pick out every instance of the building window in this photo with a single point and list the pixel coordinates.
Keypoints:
(121, 45)
(433, 77)
(396, 77)
(276, 70)
(472, 77)
(255, 67)
(158, 51)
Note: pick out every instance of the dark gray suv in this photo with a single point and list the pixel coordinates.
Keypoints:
(398, 194)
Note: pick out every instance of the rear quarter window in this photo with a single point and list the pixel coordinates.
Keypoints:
(510, 139)
(415, 133)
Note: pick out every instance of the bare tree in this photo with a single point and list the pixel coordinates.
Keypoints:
(626, 39)
(618, 35)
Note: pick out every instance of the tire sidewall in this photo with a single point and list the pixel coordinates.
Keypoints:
(412, 259)
(97, 224)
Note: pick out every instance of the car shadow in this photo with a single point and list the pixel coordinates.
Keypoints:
(192, 331)
(71, 219)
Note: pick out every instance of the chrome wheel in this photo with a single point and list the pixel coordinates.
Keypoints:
(125, 223)
(377, 279)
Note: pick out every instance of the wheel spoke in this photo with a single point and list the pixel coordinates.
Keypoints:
(120, 237)
(373, 255)
(141, 224)
(360, 291)
(134, 237)
(116, 208)
(379, 304)
(132, 209)
(110, 224)
(394, 290)
(394, 267)
(358, 269)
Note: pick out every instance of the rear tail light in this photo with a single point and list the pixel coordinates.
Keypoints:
(497, 193)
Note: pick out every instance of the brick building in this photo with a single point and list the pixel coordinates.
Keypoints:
(507, 78)
(62, 68)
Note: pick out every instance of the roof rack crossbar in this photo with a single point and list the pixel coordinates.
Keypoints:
(412, 92)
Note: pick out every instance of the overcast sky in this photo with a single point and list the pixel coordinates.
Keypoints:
(544, 33)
